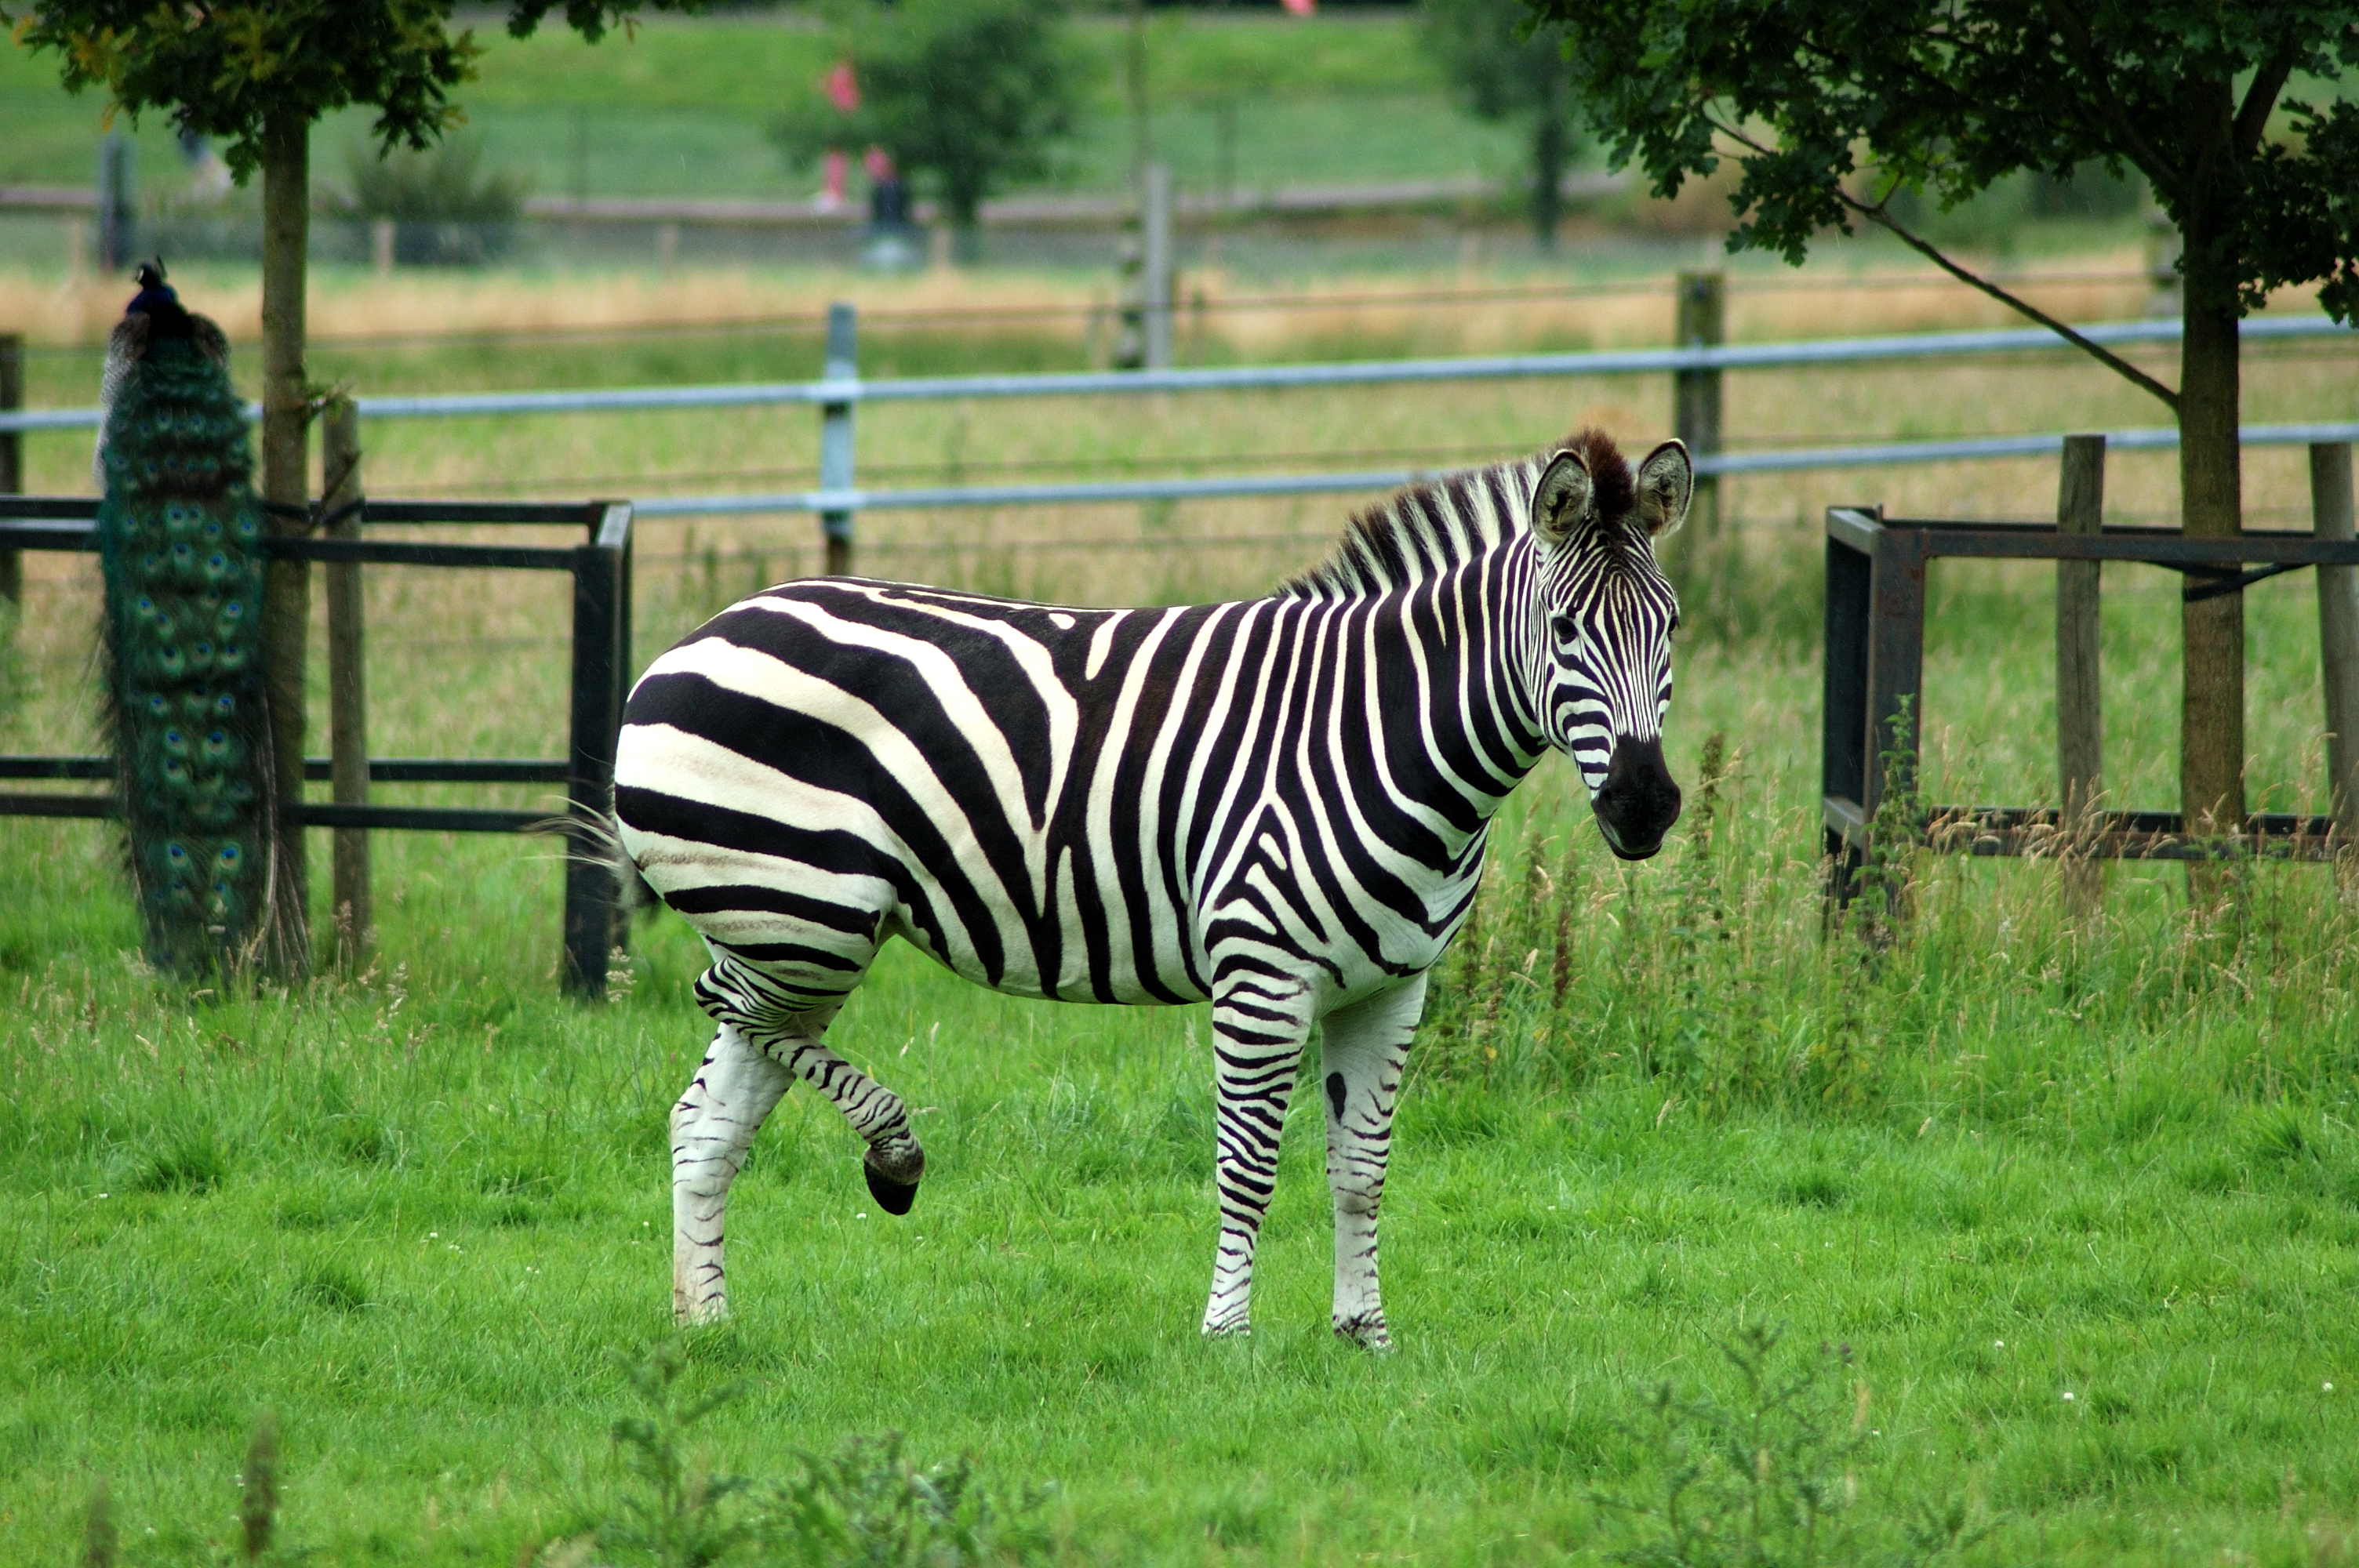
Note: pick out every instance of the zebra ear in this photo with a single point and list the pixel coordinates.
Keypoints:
(1665, 485)
(1562, 499)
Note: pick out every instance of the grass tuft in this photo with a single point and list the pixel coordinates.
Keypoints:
(333, 1288)
(192, 1161)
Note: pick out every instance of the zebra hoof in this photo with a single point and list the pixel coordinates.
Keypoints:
(1367, 1333)
(892, 1196)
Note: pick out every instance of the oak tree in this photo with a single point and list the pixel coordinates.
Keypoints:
(1828, 109)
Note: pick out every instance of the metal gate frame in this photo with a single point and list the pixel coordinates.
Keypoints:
(1874, 664)
(601, 570)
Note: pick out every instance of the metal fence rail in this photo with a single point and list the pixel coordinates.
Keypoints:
(838, 393)
(1252, 378)
(1088, 492)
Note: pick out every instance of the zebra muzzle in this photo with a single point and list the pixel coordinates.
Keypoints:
(1640, 800)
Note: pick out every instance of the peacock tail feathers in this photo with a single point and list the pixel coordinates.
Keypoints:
(180, 536)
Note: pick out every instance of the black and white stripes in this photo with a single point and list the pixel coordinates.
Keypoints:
(1277, 806)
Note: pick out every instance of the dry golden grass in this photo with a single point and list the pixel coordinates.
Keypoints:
(1830, 299)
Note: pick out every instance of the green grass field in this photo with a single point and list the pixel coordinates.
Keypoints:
(679, 110)
(417, 1213)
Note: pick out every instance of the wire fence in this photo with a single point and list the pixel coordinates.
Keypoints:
(837, 393)
(849, 390)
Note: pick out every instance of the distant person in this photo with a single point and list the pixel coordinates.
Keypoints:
(888, 194)
(842, 90)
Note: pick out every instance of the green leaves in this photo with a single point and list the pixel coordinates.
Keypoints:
(1830, 108)
(224, 68)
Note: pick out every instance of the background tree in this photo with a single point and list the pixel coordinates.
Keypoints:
(967, 95)
(1830, 108)
(1505, 67)
(255, 75)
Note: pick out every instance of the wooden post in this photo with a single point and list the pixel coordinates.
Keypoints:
(1695, 393)
(286, 494)
(2080, 695)
(347, 682)
(1155, 273)
(118, 235)
(12, 460)
(835, 470)
(2338, 632)
(590, 872)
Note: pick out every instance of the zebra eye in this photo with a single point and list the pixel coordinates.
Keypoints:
(1566, 632)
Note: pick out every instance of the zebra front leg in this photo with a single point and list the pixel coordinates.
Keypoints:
(1257, 1034)
(712, 1127)
(1363, 1048)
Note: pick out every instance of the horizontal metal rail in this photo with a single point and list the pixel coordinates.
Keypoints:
(1971, 448)
(77, 536)
(1990, 831)
(1253, 378)
(320, 814)
(381, 769)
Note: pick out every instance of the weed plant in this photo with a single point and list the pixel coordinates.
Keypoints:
(866, 1505)
(1769, 1477)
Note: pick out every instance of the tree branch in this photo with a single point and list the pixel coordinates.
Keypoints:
(2121, 366)
(2109, 106)
(2253, 119)
(1878, 214)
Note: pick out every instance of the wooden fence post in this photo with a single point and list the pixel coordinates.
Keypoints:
(12, 460)
(2338, 632)
(347, 682)
(1695, 393)
(835, 470)
(2080, 695)
(1155, 276)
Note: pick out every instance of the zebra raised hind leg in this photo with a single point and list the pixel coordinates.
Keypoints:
(767, 1038)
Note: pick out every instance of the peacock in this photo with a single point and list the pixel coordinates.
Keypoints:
(179, 542)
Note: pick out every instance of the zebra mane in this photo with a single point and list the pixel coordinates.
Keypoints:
(1423, 531)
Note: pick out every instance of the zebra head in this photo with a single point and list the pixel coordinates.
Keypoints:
(1600, 628)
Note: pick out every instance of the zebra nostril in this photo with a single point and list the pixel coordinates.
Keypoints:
(1639, 801)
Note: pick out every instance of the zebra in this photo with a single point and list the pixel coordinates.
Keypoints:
(1278, 804)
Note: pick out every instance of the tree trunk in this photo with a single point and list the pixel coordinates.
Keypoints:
(2211, 714)
(286, 484)
(1547, 173)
